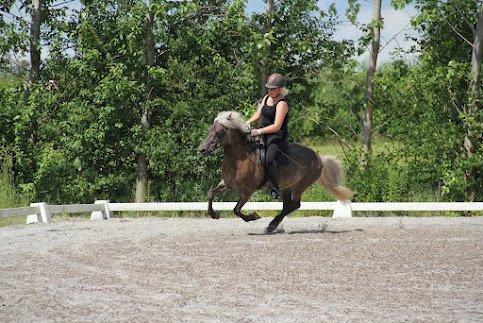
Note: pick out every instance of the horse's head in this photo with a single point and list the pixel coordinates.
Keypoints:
(222, 131)
(214, 139)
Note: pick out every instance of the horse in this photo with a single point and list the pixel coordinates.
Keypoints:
(242, 169)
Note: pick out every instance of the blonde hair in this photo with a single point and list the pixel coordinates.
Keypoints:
(284, 91)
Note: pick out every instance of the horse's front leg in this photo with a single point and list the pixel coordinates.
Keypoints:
(237, 210)
(220, 188)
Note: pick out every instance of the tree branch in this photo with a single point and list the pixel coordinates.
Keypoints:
(463, 15)
(62, 3)
(383, 124)
(461, 36)
(451, 96)
(341, 141)
(393, 37)
(11, 14)
(13, 73)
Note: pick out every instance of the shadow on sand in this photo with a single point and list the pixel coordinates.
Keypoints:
(304, 231)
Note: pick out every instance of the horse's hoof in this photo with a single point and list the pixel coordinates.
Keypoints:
(272, 229)
(214, 215)
(254, 216)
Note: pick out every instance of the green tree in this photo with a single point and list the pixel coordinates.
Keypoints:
(26, 27)
(459, 61)
(296, 39)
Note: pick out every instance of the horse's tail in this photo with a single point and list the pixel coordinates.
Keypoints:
(331, 178)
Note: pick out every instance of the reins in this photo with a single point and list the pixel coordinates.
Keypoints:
(257, 147)
(291, 159)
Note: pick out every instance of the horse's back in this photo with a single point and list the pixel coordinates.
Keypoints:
(301, 169)
(301, 154)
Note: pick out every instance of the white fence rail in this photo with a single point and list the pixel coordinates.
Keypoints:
(220, 206)
(41, 212)
(340, 209)
(419, 206)
(20, 211)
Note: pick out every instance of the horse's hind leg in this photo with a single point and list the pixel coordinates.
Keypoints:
(237, 210)
(220, 188)
(289, 205)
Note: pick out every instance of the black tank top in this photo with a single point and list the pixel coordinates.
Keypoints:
(268, 118)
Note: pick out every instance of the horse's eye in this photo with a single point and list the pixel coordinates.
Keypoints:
(220, 134)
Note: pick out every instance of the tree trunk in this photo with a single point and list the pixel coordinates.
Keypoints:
(470, 137)
(13, 170)
(34, 71)
(477, 54)
(142, 179)
(264, 62)
(143, 175)
(371, 70)
(35, 41)
(263, 77)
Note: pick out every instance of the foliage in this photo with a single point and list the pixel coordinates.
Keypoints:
(75, 135)
(9, 196)
(338, 99)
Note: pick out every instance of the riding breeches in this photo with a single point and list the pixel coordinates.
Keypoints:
(274, 148)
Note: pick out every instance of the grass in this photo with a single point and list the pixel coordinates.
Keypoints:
(9, 197)
(15, 220)
(331, 148)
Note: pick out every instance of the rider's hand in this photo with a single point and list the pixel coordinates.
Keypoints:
(255, 133)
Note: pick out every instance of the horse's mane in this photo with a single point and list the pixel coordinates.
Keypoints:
(232, 120)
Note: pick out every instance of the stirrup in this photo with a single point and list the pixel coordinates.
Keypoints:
(274, 193)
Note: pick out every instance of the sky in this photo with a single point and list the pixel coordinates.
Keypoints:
(391, 35)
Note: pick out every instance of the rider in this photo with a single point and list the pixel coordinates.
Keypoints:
(273, 110)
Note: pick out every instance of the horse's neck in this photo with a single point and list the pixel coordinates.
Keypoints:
(239, 149)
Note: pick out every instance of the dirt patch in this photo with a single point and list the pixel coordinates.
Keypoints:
(201, 269)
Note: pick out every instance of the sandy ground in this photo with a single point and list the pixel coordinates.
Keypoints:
(320, 269)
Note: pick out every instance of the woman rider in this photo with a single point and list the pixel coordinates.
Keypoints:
(273, 110)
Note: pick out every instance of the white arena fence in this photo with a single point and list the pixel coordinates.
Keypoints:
(102, 209)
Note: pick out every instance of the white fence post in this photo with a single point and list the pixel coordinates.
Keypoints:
(104, 214)
(342, 209)
(43, 216)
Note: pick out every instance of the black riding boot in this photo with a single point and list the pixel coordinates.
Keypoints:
(274, 191)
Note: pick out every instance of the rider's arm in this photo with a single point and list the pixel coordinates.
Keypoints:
(258, 114)
(282, 110)
(255, 116)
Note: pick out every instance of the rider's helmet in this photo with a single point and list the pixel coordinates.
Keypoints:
(275, 81)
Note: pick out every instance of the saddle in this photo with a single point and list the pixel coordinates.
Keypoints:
(281, 158)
